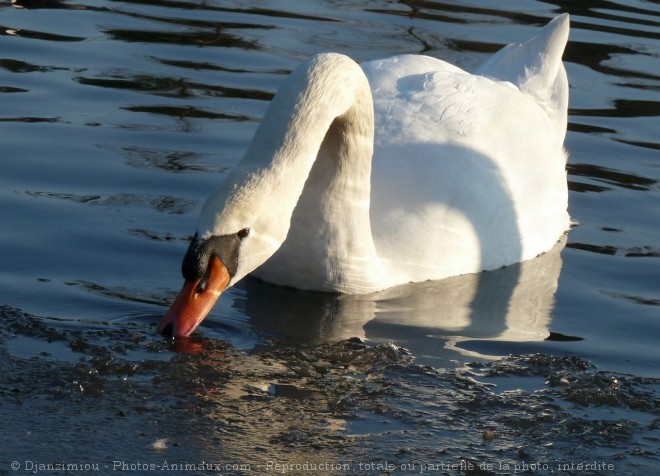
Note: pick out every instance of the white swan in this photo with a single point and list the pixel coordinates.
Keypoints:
(468, 175)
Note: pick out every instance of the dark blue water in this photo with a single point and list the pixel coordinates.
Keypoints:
(118, 118)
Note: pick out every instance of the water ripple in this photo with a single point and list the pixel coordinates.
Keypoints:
(160, 203)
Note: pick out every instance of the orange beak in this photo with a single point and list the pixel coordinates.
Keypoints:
(193, 304)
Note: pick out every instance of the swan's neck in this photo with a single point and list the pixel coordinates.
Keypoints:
(329, 245)
(305, 181)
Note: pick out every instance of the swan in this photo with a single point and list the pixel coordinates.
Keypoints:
(468, 174)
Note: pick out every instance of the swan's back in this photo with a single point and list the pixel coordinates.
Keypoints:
(469, 169)
(536, 68)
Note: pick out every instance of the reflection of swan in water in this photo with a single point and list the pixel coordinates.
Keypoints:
(431, 319)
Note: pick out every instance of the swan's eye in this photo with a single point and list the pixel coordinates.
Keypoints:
(243, 233)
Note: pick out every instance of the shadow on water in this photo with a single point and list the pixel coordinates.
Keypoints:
(434, 319)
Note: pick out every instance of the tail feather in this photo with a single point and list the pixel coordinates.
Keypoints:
(536, 68)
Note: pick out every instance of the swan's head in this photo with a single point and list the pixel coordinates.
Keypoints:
(208, 267)
(239, 228)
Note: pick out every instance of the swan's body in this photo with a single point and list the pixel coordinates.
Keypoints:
(468, 173)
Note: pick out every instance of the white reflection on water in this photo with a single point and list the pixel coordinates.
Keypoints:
(510, 304)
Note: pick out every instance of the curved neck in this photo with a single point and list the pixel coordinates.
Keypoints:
(305, 181)
(313, 149)
(327, 91)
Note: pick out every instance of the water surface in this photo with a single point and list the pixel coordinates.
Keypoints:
(118, 118)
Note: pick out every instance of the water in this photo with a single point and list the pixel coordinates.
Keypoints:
(118, 118)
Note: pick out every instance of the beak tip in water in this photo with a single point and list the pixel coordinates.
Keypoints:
(192, 305)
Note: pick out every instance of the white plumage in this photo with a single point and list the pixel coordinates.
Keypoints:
(402, 170)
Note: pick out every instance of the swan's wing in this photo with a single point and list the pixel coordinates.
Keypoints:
(419, 99)
(536, 68)
(465, 174)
